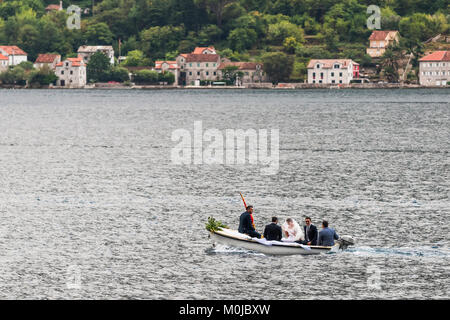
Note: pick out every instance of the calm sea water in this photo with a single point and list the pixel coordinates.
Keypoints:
(92, 207)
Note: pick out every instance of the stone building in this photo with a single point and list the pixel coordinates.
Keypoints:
(71, 73)
(87, 51)
(47, 59)
(197, 67)
(167, 66)
(434, 69)
(252, 72)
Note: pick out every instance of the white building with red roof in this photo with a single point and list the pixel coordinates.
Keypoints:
(167, 66)
(14, 54)
(3, 63)
(47, 59)
(71, 73)
(332, 71)
(380, 40)
(434, 69)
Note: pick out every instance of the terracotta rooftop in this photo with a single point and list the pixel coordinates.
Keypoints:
(378, 35)
(437, 56)
(2, 57)
(76, 62)
(53, 7)
(200, 50)
(202, 57)
(47, 58)
(14, 50)
(172, 64)
(328, 63)
(240, 65)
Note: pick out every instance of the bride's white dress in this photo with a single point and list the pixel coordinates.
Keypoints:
(295, 233)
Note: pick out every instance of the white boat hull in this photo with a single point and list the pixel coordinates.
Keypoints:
(235, 239)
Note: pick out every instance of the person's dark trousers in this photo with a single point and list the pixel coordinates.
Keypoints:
(254, 234)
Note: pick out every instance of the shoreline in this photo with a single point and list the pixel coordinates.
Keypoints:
(280, 86)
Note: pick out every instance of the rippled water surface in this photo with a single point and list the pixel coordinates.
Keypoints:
(91, 205)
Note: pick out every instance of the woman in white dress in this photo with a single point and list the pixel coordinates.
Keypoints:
(292, 231)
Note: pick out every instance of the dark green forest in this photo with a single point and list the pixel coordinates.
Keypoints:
(239, 29)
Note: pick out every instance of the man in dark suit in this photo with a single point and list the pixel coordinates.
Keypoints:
(273, 231)
(246, 223)
(327, 235)
(311, 233)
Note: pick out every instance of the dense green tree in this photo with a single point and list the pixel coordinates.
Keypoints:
(156, 41)
(98, 34)
(278, 66)
(241, 39)
(44, 76)
(146, 77)
(98, 67)
(136, 58)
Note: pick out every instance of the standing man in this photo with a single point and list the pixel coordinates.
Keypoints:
(273, 231)
(327, 235)
(311, 233)
(246, 223)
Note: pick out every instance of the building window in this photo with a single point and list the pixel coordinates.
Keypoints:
(318, 66)
(190, 73)
(215, 73)
(333, 81)
(190, 64)
(207, 65)
(332, 74)
(314, 81)
(207, 73)
(314, 75)
(321, 75)
(340, 81)
(71, 72)
(62, 71)
(198, 64)
(336, 66)
(320, 81)
(340, 74)
(198, 73)
(67, 64)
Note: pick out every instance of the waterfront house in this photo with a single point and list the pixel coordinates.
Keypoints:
(167, 66)
(434, 69)
(87, 51)
(71, 73)
(200, 66)
(332, 71)
(3, 63)
(14, 54)
(379, 40)
(251, 71)
(47, 59)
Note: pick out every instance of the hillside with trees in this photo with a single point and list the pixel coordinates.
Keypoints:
(293, 30)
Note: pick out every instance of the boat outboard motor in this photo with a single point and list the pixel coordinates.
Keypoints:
(345, 241)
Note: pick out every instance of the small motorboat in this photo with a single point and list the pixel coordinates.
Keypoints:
(233, 238)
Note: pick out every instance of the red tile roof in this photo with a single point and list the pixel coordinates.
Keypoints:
(172, 64)
(14, 50)
(76, 62)
(47, 58)
(437, 56)
(53, 7)
(378, 35)
(328, 63)
(199, 50)
(240, 65)
(202, 57)
(2, 57)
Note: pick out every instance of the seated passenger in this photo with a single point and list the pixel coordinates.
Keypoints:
(327, 235)
(246, 223)
(292, 231)
(273, 231)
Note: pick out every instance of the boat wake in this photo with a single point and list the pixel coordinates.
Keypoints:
(411, 252)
